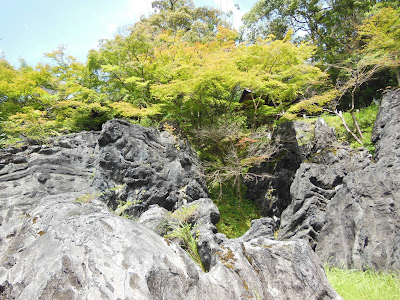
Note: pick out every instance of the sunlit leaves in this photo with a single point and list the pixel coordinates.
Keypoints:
(206, 79)
(380, 34)
(179, 64)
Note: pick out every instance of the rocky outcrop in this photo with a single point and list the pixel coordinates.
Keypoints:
(346, 204)
(271, 193)
(149, 166)
(314, 186)
(62, 236)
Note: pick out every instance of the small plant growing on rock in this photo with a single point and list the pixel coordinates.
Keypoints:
(124, 206)
(179, 228)
(85, 198)
(188, 241)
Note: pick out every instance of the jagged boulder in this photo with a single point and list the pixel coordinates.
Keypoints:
(61, 238)
(271, 193)
(151, 167)
(314, 185)
(346, 204)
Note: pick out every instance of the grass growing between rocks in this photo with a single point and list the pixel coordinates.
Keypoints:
(368, 285)
(178, 227)
(183, 231)
(236, 214)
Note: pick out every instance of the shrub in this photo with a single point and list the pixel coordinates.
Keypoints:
(365, 117)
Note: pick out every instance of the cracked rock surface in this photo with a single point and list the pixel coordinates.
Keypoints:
(347, 204)
(61, 237)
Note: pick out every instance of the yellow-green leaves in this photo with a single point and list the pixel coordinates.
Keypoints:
(128, 111)
(206, 79)
(380, 34)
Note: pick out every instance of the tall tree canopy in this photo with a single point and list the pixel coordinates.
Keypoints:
(187, 64)
(329, 24)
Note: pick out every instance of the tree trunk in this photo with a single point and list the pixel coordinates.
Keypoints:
(353, 115)
(238, 188)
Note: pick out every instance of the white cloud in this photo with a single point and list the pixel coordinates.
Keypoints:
(131, 14)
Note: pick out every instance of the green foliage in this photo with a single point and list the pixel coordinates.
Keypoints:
(236, 214)
(49, 100)
(125, 209)
(228, 151)
(179, 229)
(205, 84)
(182, 63)
(380, 35)
(366, 118)
(368, 285)
(85, 198)
(313, 105)
(184, 214)
(330, 25)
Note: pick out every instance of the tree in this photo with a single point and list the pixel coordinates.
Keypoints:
(49, 99)
(205, 80)
(172, 5)
(196, 24)
(236, 150)
(380, 36)
(122, 67)
(328, 24)
(374, 48)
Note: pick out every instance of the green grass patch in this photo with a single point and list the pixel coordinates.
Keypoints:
(236, 214)
(367, 285)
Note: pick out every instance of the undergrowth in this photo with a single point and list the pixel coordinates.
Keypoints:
(367, 285)
(236, 214)
(365, 117)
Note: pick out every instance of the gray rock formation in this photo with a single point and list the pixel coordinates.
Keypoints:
(314, 185)
(348, 205)
(271, 194)
(149, 166)
(61, 238)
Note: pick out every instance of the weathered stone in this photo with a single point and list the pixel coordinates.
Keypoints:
(152, 168)
(347, 205)
(314, 185)
(154, 218)
(362, 227)
(264, 227)
(324, 136)
(305, 137)
(59, 239)
(271, 194)
(70, 250)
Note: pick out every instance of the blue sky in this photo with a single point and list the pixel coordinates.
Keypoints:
(29, 28)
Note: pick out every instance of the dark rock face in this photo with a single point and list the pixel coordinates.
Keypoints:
(153, 168)
(271, 194)
(60, 240)
(324, 136)
(314, 185)
(347, 205)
